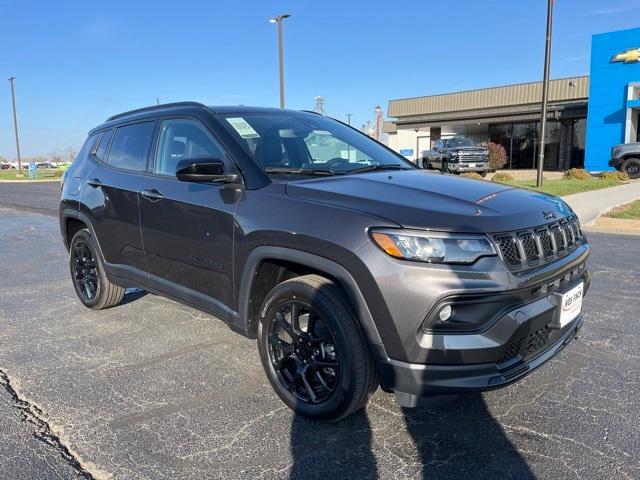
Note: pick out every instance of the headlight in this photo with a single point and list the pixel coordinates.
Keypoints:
(433, 247)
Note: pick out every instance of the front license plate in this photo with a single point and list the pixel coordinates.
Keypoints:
(472, 165)
(571, 304)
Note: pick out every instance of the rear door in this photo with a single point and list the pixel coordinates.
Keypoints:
(111, 195)
(187, 228)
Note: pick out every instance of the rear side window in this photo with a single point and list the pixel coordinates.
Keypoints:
(130, 146)
(101, 152)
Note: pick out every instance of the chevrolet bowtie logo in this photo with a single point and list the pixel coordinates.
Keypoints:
(629, 56)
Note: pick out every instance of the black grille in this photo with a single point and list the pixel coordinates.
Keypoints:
(559, 238)
(509, 249)
(512, 351)
(530, 247)
(537, 340)
(545, 242)
(527, 346)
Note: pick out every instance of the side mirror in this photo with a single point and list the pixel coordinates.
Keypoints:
(204, 170)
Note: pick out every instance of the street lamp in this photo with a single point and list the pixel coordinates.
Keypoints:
(349, 118)
(545, 93)
(15, 125)
(279, 20)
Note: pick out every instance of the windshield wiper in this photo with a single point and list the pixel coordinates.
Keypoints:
(300, 171)
(372, 168)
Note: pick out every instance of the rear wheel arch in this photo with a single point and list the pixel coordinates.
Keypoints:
(74, 219)
(278, 264)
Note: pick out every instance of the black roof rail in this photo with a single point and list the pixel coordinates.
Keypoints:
(156, 107)
(311, 111)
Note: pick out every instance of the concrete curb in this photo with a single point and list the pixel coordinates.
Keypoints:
(608, 209)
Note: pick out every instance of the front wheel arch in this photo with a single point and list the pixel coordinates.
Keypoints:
(319, 265)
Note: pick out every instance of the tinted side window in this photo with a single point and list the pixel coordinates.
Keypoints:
(88, 146)
(101, 151)
(130, 146)
(183, 138)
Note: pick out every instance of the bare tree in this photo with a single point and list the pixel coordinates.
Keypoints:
(70, 154)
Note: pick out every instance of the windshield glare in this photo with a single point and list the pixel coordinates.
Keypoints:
(299, 143)
(460, 142)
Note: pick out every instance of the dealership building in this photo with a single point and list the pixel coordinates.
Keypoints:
(587, 115)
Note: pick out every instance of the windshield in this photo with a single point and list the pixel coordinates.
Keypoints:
(457, 142)
(306, 144)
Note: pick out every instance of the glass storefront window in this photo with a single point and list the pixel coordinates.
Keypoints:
(579, 135)
(552, 139)
(520, 140)
(524, 145)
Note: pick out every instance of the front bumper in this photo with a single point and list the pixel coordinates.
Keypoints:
(615, 163)
(523, 338)
(465, 167)
(417, 380)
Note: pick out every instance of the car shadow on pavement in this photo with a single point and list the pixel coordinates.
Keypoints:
(458, 439)
(133, 294)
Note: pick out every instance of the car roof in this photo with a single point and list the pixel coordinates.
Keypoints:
(184, 107)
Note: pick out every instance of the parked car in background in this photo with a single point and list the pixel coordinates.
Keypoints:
(349, 266)
(626, 158)
(6, 166)
(457, 155)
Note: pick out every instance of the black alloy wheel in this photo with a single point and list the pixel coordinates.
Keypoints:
(632, 167)
(93, 287)
(303, 353)
(313, 349)
(85, 271)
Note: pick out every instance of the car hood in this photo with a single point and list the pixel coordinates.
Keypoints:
(424, 200)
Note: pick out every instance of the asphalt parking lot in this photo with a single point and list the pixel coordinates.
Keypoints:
(152, 389)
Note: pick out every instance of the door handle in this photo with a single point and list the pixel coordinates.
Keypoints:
(152, 194)
(94, 182)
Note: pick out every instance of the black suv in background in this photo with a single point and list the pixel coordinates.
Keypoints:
(457, 155)
(350, 266)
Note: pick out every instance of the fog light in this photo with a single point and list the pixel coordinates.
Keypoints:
(445, 313)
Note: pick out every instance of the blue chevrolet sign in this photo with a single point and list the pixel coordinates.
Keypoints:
(614, 95)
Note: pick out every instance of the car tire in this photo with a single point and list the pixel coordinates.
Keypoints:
(631, 166)
(90, 281)
(483, 174)
(319, 365)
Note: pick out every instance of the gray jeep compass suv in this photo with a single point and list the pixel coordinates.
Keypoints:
(351, 267)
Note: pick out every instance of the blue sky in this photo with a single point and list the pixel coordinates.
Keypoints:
(76, 62)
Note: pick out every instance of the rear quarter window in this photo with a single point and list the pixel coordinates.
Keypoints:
(89, 145)
(100, 151)
(130, 146)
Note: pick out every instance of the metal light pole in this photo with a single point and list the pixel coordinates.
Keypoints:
(545, 93)
(349, 118)
(279, 20)
(15, 124)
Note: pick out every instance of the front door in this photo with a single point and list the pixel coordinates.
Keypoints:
(187, 228)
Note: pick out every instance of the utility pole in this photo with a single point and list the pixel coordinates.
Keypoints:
(319, 108)
(279, 20)
(545, 93)
(15, 125)
(349, 118)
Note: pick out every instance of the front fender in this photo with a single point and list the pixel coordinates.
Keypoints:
(331, 268)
